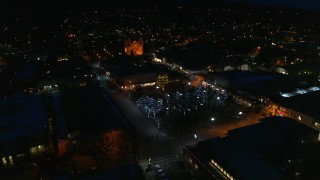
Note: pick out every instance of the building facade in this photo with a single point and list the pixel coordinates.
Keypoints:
(133, 47)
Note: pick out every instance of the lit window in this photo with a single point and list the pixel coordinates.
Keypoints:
(4, 161)
(11, 161)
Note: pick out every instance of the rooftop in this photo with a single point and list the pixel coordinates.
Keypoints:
(257, 151)
(90, 110)
(305, 103)
(237, 77)
(22, 117)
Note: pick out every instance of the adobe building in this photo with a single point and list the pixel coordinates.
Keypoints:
(133, 47)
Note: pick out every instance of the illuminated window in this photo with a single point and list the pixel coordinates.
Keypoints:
(4, 161)
(37, 150)
(83, 84)
(11, 161)
(20, 155)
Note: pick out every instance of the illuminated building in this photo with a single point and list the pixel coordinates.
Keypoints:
(260, 151)
(272, 94)
(133, 47)
(130, 77)
(23, 129)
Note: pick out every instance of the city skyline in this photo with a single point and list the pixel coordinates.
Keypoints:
(163, 90)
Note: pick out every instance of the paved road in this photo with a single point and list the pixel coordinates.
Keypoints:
(163, 149)
(153, 143)
(215, 130)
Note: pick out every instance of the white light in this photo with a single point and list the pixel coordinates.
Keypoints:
(195, 136)
(212, 119)
(314, 88)
(240, 112)
(286, 94)
(189, 83)
(218, 98)
(301, 91)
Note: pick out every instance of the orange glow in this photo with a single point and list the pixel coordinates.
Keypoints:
(134, 47)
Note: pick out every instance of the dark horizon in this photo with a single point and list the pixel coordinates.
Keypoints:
(36, 5)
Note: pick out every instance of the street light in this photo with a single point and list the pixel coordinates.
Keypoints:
(212, 119)
(195, 136)
(240, 113)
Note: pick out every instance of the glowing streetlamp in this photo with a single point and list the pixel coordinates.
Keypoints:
(240, 113)
(212, 119)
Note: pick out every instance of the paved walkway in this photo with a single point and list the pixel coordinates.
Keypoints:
(153, 143)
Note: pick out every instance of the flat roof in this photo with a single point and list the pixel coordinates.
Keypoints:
(21, 117)
(91, 110)
(248, 152)
(271, 131)
(128, 172)
(236, 159)
(244, 76)
(307, 104)
(273, 88)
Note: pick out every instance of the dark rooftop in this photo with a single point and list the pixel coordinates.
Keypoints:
(256, 151)
(129, 172)
(237, 77)
(304, 103)
(22, 117)
(90, 110)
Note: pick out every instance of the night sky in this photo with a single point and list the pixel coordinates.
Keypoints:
(74, 4)
(300, 4)
(303, 4)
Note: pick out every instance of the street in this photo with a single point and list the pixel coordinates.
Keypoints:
(163, 149)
